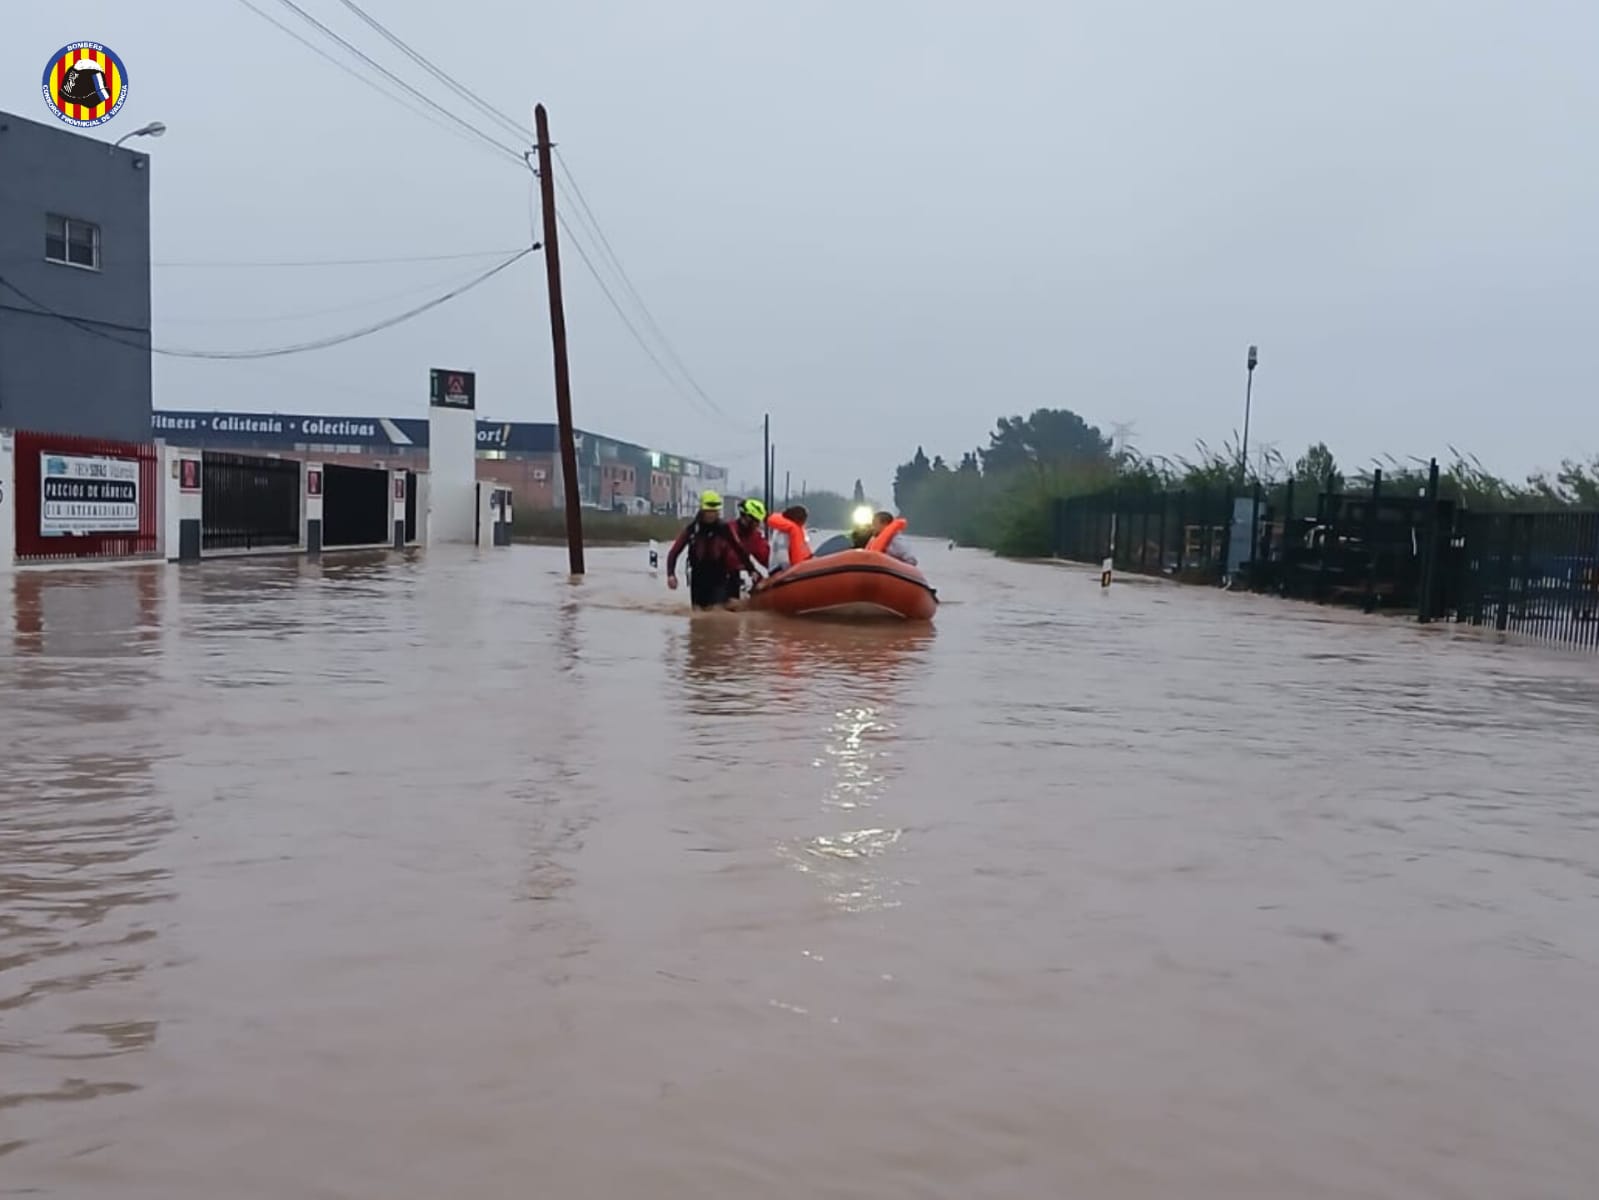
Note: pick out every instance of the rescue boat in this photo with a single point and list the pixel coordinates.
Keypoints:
(848, 583)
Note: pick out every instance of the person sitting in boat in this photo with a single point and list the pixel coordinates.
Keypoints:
(715, 557)
(791, 524)
(885, 538)
(751, 534)
(861, 530)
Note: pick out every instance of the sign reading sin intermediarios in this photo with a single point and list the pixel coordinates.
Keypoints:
(87, 495)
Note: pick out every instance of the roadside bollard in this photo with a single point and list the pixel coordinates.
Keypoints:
(655, 557)
(1104, 573)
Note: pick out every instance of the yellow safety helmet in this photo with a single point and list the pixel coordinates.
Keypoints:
(711, 500)
(753, 508)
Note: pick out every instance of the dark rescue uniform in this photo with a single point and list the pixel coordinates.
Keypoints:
(715, 558)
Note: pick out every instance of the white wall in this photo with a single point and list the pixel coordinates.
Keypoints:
(177, 505)
(8, 502)
(452, 471)
(397, 508)
(424, 503)
(169, 459)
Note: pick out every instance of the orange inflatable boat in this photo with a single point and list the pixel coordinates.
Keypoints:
(848, 583)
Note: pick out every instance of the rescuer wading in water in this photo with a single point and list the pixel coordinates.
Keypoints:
(715, 557)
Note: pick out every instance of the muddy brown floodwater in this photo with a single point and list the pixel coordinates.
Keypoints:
(404, 879)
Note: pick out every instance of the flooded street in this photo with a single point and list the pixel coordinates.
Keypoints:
(403, 879)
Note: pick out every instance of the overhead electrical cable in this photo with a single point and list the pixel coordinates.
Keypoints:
(41, 309)
(328, 262)
(395, 97)
(584, 212)
(627, 282)
(460, 89)
(390, 75)
(696, 395)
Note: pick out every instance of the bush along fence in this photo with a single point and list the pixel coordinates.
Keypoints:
(1529, 573)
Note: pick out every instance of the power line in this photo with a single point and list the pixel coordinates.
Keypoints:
(324, 343)
(583, 211)
(388, 74)
(305, 314)
(627, 282)
(329, 262)
(444, 77)
(397, 98)
(606, 291)
(700, 396)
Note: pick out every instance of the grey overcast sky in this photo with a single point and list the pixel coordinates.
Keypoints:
(889, 223)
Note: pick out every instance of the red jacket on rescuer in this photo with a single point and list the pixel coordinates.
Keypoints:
(753, 538)
(716, 547)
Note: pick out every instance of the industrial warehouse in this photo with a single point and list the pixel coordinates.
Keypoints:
(523, 456)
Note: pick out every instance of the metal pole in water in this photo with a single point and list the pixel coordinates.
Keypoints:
(1249, 388)
(563, 379)
(766, 459)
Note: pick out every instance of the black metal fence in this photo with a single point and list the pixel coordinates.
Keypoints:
(1535, 574)
(1377, 549)
(1183, 534)
(248, 503)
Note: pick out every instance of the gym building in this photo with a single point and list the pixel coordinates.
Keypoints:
(74, 283)
(613, 475)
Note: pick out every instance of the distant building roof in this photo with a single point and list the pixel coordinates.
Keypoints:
(290, 430)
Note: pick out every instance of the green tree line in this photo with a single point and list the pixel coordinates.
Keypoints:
(1000, 496)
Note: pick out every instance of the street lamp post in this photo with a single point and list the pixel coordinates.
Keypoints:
(1249, 388)
(153, 129)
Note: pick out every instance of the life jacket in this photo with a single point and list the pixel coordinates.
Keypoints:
(709, 544)
(799, 547)
(880, 541)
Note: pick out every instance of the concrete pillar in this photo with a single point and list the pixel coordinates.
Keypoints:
(183, 503)
(397, 488)
(494, 516)
(452, 458)
(424, 505)
(313, 509)
(8, 502)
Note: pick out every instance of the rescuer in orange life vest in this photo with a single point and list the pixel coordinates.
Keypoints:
(883, 536)
(715, 556)
(791, 524)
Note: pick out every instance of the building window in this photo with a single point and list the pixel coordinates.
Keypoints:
(72, 242)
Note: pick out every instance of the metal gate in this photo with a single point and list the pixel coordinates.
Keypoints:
(248, 503)
(1535, 574)
(357, 509)
(83, 497)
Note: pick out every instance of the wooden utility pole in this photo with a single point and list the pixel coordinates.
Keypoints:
(785, 489)
(563, 379)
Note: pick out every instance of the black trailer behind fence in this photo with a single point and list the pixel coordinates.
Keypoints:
(1532, 573)
(248, 503)
(356, 507)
